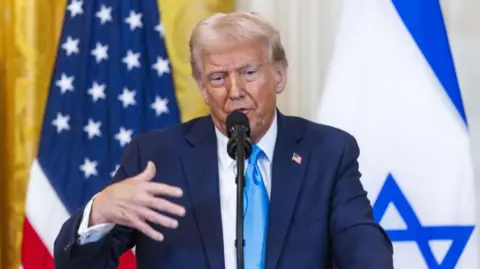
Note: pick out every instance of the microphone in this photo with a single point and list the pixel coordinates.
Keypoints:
(239, 148)
(238, 132)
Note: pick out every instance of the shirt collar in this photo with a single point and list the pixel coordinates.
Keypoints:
(266, 143)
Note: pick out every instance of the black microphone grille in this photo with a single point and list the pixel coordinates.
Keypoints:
(237, 118)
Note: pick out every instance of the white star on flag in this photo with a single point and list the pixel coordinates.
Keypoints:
(71, 46)
(97, 91)
(124, 136)
(100, 52)
(132, 60)
(160, 29)
(127, 97)
(161, 66)
(160, 106)
(104, 14)
(75, 8)
(93, 129)
(134, 20)
(65, 83)
(89, 168)
(61, 122)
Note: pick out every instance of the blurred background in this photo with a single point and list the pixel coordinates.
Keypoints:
(35, 52)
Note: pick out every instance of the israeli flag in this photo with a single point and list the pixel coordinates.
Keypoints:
(392, 84)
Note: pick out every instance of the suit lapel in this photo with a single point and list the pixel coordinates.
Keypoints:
(287, 177)
(201, 171)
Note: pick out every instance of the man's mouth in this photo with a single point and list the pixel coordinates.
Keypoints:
(242, 109)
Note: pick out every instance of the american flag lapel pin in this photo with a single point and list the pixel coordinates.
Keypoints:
(297, 158)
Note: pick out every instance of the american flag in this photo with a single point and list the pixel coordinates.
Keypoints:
(296, 158)
(112, 80)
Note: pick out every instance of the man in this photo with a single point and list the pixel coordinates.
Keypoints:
(174, 196)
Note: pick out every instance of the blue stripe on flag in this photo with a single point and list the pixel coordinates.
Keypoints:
(425, 22)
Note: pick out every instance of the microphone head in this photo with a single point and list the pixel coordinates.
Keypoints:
(238, 121)
(237, 118)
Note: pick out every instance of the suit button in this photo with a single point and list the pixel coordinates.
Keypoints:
(67, 247)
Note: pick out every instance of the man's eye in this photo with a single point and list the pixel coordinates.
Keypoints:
(250, 74)
(217, 80)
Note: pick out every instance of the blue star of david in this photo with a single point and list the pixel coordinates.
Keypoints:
(459, 235)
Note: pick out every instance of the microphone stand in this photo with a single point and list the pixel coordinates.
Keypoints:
(240, 181)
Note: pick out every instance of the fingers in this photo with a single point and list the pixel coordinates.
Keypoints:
(143, 204)
(165, 206)
(164, 189)
(146, 229)
(157, 218)
(158, 188)
(148, 173)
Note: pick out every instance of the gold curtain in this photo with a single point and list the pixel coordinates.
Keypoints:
(29, 32)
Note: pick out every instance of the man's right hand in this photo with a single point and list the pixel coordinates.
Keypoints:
(133, 201)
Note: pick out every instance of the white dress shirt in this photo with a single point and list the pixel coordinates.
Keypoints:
(228, 197)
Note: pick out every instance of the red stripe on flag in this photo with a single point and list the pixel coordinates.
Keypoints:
(127, 261)
(35, 254)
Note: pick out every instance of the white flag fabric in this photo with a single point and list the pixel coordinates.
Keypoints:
(392, 84)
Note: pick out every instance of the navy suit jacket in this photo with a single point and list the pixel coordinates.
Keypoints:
(319, 217)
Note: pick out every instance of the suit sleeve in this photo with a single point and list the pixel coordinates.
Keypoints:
(105, 252)
(358, 241)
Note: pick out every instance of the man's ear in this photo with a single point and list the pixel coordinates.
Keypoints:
(280, 78)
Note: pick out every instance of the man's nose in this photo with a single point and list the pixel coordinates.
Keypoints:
(236, 86)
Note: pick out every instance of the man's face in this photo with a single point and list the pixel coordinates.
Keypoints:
(241, 77)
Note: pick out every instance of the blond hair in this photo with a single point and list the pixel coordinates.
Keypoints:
(222, 29)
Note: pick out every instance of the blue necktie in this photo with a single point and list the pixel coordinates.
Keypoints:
(256, 213)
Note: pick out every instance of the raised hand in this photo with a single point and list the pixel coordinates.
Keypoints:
(134, 201)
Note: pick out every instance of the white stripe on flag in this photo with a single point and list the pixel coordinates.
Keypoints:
(45, 210)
